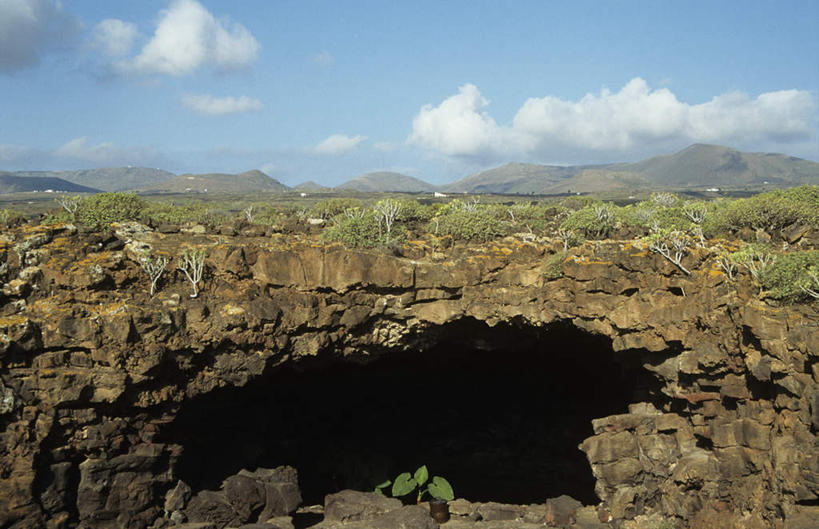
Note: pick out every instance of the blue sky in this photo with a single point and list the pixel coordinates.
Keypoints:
(324, 91)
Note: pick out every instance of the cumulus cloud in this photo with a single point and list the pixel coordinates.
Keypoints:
(104, 153)
(188, 37)
(634, 117)
(29, 28)
(459, 125)
(114, 37)
(338, 144)
(218, 106)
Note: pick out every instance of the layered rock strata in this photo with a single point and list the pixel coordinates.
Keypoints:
(92, 368)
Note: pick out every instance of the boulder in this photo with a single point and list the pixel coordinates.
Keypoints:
(561, 511)
(351, 505)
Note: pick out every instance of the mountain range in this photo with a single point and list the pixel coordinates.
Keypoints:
(699, 166)
(15, 183)
(108, 178)
(247, 182)
(381, 181)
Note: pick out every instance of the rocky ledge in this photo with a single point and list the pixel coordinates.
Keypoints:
(93, 369)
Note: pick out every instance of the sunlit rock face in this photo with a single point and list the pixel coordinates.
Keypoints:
(687, 397)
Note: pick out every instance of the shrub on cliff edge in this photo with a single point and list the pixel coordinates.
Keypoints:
(100, 210)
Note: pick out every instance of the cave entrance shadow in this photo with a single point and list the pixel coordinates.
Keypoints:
(498, 411)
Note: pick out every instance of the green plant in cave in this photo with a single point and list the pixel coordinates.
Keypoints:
(439, 488)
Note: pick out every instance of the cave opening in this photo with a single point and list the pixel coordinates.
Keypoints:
(498, 411)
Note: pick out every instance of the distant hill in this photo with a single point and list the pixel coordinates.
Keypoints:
(108, 178)
(14, 183)
(246, 182)
(384, 181)
(713, 165)
(512, 178)
(698, 166)
(311, 187)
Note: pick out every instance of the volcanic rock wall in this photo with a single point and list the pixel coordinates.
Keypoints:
(91, 368)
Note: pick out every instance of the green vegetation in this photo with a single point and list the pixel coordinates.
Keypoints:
(359, 228)
(439, 488)
(100, 210)
(773, 210)
(11, 217)
(153, 266)
(196, 212)
(467, 221)
(788, 277)
(671, 244)
(754, 257)
(593, 220)
(553, 266)
(668, 224)
(69, 203)
(331, 207)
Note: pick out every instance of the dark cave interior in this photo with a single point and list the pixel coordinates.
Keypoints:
(498, 411)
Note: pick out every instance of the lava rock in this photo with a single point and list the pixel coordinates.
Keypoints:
(561, 511)
(351, 505)
(211, 506)
(245, 495)
(177, 497)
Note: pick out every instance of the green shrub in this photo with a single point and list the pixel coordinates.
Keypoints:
(755, 257)
(412, 211)
(11, 217)
(553, 266)
(100, 210)
(654, 216)
(361, 229)
(57, 216)
(329, 208)
(787, 273)
(265, 215)
(468, 225)
(455, 205)
(595, 220)
(773, 210)
(535, 217)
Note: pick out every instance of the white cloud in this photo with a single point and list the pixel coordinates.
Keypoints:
(458, 126)
(188, 37)
(13, 153)
(636, 117)
(105, 153)
(338, 144)
(114, 37)
(325, 58)
(217, 106)
(28, 28)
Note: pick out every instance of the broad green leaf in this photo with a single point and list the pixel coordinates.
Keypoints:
(421, 475)
(403, 485)
(382, 486)
(441, 489)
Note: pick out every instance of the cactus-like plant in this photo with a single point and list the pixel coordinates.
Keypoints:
(153, 267)
(192, 264)
(671, 244)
